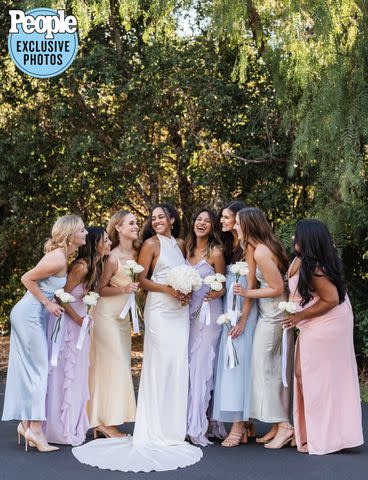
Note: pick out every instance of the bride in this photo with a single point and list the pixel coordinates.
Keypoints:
(158, 440)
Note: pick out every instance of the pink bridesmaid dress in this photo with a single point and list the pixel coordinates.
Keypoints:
(327, 413)
(67, 391)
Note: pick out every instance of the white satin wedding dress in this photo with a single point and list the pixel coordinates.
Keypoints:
(158, 440)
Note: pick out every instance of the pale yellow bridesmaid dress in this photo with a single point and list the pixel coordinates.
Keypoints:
(112, 400)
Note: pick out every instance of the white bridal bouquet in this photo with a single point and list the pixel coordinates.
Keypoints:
(214, 282)
(288, 308)
(64, 298)
(233, 301)
(132, 268)
(231, 357)
(90, 299)
(184, 279)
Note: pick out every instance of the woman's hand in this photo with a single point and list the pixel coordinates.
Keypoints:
(239, 290)
(292, 320)
(213, 295)
(130, 288)
(54, 308)
(238, 329)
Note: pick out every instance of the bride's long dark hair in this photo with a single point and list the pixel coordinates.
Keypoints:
(317, 250)
(170, 213)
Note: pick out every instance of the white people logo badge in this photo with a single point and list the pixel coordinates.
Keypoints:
(42, 42)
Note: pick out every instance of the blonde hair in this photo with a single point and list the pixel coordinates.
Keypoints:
(118, 219)
(61, 232)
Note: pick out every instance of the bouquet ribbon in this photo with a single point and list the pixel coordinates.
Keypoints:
(284, 356)
(56, 342)
(230, 299)
(230, 356)
(83, 331)
(132, 306)
(205, 314)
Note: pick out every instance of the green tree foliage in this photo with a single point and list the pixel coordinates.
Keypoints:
(264, 101)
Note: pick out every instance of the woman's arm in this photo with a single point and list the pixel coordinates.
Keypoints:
(76, 276)
(53, 263)
(218, 261)
(146, 257)
(328, 299)
(247, 304)
(110, 268)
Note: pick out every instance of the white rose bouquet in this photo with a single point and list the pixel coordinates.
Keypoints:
(231, 357)
(90, 300)
(64, 298)
(233, 306)
(214, 282)
(132, 268)
(184, 279)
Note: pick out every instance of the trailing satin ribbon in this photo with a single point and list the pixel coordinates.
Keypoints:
(86, 321)
(205, 313)
(284, 356)
(229, 353)
(132, 306)
(56, 341)
(230, 300)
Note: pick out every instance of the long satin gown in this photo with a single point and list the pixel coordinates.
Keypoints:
(26, 382)
(112, 399)
(328, 413)
(203, 348)
(67, 391)
(270, 400)
(232, 388)
(158, 440)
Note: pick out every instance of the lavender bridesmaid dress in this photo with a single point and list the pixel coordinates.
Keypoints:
(203, 347)
(67, 392)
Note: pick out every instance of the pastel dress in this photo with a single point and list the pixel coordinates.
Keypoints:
(232, 387)
(158, 440)
(327, 414)
(270, 400)
(203, 348)
(111, 386)
(67, 391)
(26, 382)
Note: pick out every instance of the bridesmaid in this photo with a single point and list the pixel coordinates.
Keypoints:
(28, 359)
(232, 388)
(111, 386)
(270, 400)
(67, 391)
(205, 255)
(326, 379)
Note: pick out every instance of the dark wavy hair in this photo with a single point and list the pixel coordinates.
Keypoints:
(170, 213)
(214, 239)
(88, 254)
(317, 250)
(231, 254)
(255, 225)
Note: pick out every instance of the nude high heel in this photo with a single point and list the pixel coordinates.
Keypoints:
(234, 439)
(39, 441)
(21, 433)
(282, 439)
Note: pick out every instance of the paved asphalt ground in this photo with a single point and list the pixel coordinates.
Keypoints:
(246, 462)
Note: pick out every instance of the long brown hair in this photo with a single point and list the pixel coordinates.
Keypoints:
(232, 254)
(118, 219)
(88, 253)
(255, 225)
(214, 239)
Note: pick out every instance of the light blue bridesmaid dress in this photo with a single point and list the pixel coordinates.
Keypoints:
(232, 387)
(26, 383)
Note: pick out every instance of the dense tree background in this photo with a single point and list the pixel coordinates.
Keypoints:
(193, 102)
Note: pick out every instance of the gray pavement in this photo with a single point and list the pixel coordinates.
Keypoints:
(246, 462)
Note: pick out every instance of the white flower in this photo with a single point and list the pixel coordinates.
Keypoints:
(64, 297)
(138, 268)
(184, 279)
(239, 268)
(291, 307)
(220, 278)
(90, 300)
(94, 294)
(224, 318)
(282, 306)
(130, 264)
(209, 279)
(216, 286)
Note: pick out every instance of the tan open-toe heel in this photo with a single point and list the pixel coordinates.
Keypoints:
(284, 436)
(105, 433)
(303, 448)
(234, 439)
